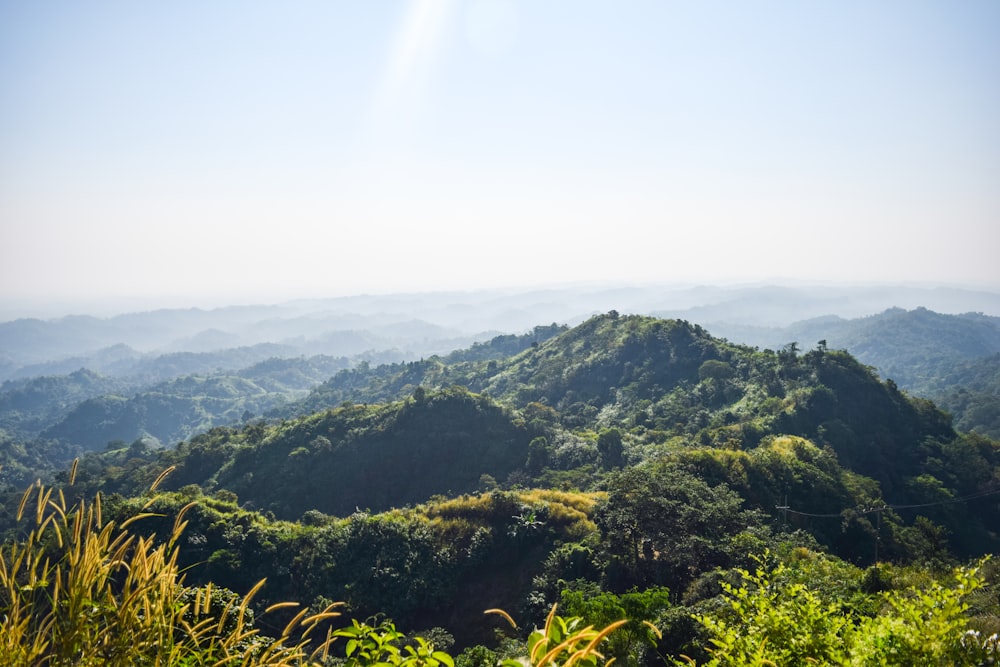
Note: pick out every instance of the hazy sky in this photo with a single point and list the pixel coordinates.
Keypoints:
(258, 150)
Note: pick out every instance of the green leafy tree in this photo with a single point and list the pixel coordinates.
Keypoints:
(609, 446)
(661, 524)
(634, 641)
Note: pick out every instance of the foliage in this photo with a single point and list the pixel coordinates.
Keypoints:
(382, 644)
(562, 642)
(81, 591)
(29, 405)
(434, 564)
(660, 524)
(167, 402)
(774, 619)
(952, 359)
(970, 392)
(389, 382)
(634, 641)
(340, 459)
(413, 490)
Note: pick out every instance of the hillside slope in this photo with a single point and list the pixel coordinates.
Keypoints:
(610, 393)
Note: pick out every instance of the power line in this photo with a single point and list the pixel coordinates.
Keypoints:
(887, 506)
(950, 501)
(878, 509)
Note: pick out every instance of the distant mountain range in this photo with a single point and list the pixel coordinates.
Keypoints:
(424, 324)
(82, 382)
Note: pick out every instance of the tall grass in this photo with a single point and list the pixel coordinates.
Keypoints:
(562, 642)
(79, 590)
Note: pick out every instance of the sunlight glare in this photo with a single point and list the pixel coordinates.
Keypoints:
(412, 54)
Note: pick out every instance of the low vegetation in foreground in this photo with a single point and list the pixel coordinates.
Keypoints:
(78, 589)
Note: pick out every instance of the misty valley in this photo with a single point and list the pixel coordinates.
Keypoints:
(748, 476)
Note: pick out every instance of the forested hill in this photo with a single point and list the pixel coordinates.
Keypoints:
(628, 463)
(952, 359)
(367, 384)
(665, 379)
(49, 419)
(612, 392)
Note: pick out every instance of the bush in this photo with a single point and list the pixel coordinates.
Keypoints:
(773, 619)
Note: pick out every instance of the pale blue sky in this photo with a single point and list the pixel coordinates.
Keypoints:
(260, 150)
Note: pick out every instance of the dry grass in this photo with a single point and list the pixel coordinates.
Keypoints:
(562, 642)
(571, 511)
(465, 507)
(80, 591)
(456, 519)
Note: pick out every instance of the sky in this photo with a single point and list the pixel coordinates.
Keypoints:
(253, 151)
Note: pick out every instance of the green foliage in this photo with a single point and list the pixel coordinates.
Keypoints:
(30, 405)
(82, 411)
(477, 656)
(775, 619)
(704, 451)
(970, 392)
(783, 624)
(172, 410)
(382, 644)
(435, 563)
(634, 642)
(660, 524)
(391, 382)
(337, 460)
(951, 359)
(609, 393)
(715, 369)
(609, 445)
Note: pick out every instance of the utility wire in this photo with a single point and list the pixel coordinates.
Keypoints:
(889, 506)
(877, 510)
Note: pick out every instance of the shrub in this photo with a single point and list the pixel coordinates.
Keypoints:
(773, 619)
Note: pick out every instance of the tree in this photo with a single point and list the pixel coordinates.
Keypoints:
(609, 445)
(718, 370)
(538, 455)
(662, 525)
(630, 644)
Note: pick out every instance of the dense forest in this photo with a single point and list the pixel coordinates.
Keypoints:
(952, 359)
(118, 395)
(737, 505)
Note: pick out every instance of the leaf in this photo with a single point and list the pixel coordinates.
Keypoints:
(443, 658)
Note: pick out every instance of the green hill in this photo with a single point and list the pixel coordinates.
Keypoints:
(951, 359)
(372, 457)
(615, 391)
(627, 456)
(664, 379)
